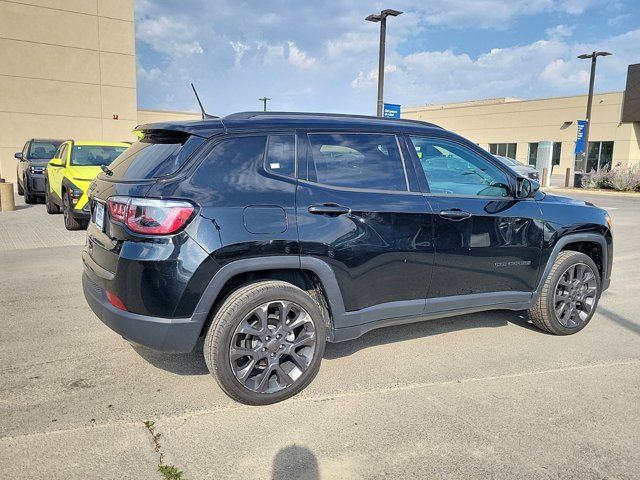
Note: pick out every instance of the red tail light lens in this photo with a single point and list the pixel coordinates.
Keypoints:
(118, 208)
(151, 216)
(115, 301)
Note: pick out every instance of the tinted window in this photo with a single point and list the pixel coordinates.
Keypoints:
(281, 155)
(42, 150)
(233, 163)
(93, 155)
(453, 169)
(155, 156)
(370, 161)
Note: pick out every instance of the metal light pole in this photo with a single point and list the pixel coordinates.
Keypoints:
(264, 101)
(593, 56)
(382, 18)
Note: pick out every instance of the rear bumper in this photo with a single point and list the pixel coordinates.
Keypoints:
(177, 335)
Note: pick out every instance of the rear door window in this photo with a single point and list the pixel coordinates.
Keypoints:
(281, 155)
(155, 155)
(363, 160)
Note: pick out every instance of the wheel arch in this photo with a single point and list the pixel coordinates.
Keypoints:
(593, 245)
(309, 274)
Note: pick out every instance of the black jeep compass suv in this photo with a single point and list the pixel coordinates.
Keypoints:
(269, 234)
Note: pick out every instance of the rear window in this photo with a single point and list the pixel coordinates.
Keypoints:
(43, 150)
(94, 155)
(155, 155)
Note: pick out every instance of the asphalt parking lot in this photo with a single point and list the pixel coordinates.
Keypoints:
(484, 395)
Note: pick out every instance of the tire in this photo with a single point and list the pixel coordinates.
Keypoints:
(264, 382)
(70, 223)
(29, 199)
(52, 208)
(20, 189)
(567, 301)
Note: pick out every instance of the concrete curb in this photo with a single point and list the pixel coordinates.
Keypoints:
(591, 191)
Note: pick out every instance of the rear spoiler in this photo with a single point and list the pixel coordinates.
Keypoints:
(200, 128)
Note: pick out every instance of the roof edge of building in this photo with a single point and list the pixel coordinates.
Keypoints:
(494, 101)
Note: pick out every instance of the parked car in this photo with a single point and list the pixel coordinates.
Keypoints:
(33, 160)
(521, 168)
(69, 173)
(269, 234)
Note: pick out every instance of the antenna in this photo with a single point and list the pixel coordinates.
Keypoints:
(205, 115)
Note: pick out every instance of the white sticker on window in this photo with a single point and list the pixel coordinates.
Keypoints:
(274, 166)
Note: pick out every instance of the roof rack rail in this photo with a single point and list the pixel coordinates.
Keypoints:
(251, 114)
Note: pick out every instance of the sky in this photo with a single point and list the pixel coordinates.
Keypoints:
(322, 56)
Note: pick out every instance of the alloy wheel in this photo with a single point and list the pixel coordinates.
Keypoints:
(272, 346)
(575, 295)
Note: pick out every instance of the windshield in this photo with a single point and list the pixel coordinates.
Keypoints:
(92, 155)
(43, 150)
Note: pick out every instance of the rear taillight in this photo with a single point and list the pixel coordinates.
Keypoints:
(150, 216)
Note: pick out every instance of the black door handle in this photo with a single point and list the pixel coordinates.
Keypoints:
(455, 214)
(330, 209)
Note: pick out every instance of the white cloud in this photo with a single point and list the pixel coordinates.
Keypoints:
(299, 58)
(171, 37)
(240, 49)
(322, 56)
(562, 74)
(496, 14)
(560, 32)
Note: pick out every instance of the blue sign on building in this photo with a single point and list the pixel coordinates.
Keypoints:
(580, 146)
(391, 110)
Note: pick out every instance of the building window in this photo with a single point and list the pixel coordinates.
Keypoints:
(533, 153)
(503, 149)
(600, 155)
(555, 155)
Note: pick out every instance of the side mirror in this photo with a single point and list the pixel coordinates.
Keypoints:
(18, 155)
(526, 188)
(56, 162)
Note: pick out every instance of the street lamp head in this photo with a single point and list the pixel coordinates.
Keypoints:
(389, 12)
(594, 55)
(373, 18)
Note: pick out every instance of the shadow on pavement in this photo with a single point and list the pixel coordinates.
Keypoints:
(193, 363)
(295, 462)
(178, 363)
(426, 328)
(624, 322)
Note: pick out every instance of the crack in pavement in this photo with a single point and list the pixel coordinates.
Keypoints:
(346, 394)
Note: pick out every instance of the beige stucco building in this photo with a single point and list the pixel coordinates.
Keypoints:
(67, 70)
(513, 127)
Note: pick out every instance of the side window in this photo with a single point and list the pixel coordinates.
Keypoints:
(62, 152)
(370, 161)
(233, 163)
(453, 169)
(281, 155)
